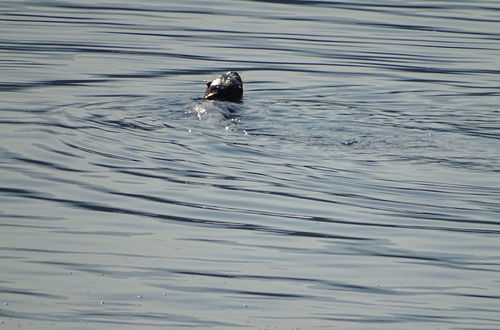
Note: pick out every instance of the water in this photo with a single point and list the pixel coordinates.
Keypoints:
(355, 187)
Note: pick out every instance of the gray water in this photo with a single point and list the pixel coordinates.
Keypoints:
(356, 187)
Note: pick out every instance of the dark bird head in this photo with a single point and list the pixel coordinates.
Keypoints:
(226, 87)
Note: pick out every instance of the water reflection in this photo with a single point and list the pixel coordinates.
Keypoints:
(355, 186)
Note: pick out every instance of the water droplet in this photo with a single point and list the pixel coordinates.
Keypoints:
(350, 142)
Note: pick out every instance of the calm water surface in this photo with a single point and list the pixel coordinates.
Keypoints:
(356, 187)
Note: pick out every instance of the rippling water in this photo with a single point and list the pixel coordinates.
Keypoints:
(357, 186)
